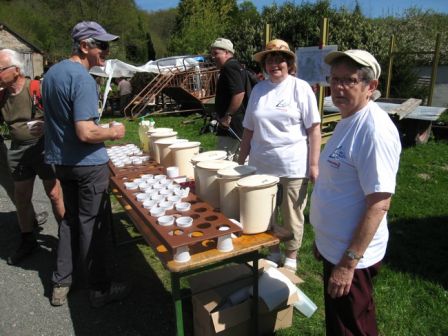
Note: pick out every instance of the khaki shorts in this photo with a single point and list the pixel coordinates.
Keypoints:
(27, 160)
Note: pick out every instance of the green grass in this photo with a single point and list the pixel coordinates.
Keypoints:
(411, 289)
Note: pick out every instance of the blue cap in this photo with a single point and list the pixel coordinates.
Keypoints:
(90, 29)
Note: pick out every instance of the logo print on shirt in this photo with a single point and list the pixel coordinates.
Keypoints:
(335, 158)
(281, 103)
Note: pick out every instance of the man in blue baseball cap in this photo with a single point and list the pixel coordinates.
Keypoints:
(90, 29)
(74, 144)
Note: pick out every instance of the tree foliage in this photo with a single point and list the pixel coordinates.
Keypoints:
(199, 23)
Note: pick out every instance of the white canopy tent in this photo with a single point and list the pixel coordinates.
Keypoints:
(116, 68)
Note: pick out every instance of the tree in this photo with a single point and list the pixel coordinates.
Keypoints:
(199, 23)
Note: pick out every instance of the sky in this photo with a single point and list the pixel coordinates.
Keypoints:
(371, 8)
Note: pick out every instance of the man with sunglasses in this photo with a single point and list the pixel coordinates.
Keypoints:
(351, 197)
(74, 144)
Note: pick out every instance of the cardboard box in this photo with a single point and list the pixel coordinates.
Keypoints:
(213, 315)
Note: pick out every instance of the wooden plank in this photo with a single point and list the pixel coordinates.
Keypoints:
(405, 108)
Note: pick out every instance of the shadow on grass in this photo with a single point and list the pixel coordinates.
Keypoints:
(419, 246)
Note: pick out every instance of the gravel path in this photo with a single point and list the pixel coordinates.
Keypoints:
(25, 289)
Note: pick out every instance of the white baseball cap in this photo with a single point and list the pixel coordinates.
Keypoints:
(359, 56)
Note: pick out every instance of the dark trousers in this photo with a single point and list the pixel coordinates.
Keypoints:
(354, 313)
(84, 233)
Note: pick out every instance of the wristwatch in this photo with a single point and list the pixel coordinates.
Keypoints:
(352, 255)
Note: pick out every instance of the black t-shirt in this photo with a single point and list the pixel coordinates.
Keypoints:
(230, 83)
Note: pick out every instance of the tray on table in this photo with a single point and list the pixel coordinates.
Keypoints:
(207, 221)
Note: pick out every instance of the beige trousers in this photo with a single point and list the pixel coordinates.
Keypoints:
(292, 207)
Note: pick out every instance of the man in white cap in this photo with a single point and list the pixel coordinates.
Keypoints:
(231, 98)
(74, 144)
(351, 197)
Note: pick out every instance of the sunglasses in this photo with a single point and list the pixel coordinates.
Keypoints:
(100, 44)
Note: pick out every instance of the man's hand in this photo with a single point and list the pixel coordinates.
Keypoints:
(120, 131)
(225, 121)
(340, 280)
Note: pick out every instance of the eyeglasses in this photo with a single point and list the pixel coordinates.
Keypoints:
(346, 82)
(6, 68)
(100, 44)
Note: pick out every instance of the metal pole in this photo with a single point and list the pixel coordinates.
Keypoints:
(389, 68)
(435, 64)
(323, 43)
(234, 134)
(267, 33)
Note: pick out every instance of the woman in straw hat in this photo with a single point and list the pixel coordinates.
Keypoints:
(282, 137)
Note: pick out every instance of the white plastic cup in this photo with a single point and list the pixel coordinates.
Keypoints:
(142, 197)
(32, 123)
(304, 304)
(149, 204)
(172, 172)
(225, 243)
(184, 221)
(157, 211)
(165, 220)
(160, 178)
(157, 197)
(131, 185)
(167, 205)
(175, 199)
(182, 254)
(183, 206)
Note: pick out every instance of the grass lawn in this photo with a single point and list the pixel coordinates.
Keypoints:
(411, 289)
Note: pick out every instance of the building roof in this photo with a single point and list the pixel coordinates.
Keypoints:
(9, 39)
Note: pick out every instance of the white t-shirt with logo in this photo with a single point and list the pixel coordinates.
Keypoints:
(361, 158)
(279, 114)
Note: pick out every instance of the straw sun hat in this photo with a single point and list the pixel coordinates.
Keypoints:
(274, 46)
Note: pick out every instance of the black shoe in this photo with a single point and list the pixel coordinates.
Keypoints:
(25, 249)
(117, 292)
(41, 218)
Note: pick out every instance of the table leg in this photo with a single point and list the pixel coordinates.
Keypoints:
(175, 292)
(254, 312)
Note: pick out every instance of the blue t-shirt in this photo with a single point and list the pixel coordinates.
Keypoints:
(69, 95)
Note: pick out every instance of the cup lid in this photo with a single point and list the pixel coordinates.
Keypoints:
(216, 164)
(169, 141)
(209, 155)
(258, 181)
(160, 129)
(183, 145)
(237, 171)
